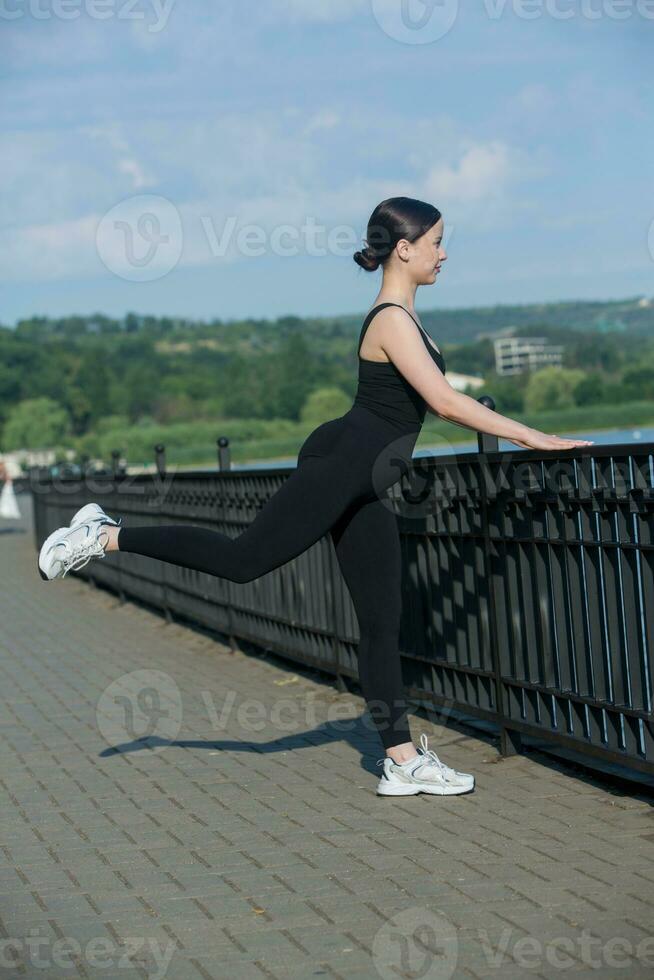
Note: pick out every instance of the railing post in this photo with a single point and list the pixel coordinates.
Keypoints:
(224, 461)
(160, 459)
(115, 471)
(487, 443)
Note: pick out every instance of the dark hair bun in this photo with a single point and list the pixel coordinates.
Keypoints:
(392, 220)
(366, 259)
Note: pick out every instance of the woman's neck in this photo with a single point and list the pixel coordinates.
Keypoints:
(397, 292)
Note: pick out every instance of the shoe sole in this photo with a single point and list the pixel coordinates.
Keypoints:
(413, 790)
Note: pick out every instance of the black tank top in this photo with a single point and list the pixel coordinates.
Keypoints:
(385, 391)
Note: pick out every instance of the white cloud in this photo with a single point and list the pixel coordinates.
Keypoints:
(535, 98)
(51, 43)
(111, 135)
(325, 119)
(134, 169)
(108, 133)
(257, 169)
(482, 171)
(67, 249)
(482, 184)
(60, 250)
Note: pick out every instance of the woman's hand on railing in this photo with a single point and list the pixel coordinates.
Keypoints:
(535, 439)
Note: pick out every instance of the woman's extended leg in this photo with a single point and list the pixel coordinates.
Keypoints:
(297, 515)
(367, 542)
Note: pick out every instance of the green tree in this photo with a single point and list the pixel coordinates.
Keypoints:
(508, 393)
(135, 393)
(616, 393)
(552, 387)
(324, 404)
(590, 390)
(293, 372)
(244, 387)
(639, 383)
(79, 408)
(112, 422)
(89, 388)
(36, 423)
(9, 388)
(131, 323)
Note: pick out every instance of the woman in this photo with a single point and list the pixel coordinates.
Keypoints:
(343, 469)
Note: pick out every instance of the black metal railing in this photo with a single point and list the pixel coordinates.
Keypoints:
(528, 584)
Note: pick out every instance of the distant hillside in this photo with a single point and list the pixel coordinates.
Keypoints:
(463, 325)
(95, 378)
(466, 325)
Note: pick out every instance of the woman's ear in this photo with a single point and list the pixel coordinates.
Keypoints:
(403, 249)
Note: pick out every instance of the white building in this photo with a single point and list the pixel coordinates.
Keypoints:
(462, 381)
(15, 460)
(514, 355)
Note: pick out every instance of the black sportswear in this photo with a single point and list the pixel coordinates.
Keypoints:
(385, 391)
(343, 469)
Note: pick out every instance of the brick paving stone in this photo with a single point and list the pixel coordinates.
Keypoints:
(265, 852)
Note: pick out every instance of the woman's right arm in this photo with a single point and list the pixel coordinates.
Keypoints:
(400, 339)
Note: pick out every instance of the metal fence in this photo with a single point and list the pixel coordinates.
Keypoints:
(528, 584)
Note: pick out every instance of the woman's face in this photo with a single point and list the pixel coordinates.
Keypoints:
(427, 254)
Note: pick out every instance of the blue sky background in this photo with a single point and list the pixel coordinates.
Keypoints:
(533, 136)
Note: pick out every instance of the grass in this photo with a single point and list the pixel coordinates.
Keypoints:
(271, 440)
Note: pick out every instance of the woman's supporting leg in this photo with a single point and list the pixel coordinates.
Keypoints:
(297, 515)
(367, 542)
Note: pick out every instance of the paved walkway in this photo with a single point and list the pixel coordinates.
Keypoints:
(174, 810)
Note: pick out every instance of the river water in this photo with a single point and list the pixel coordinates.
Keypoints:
(604, 438)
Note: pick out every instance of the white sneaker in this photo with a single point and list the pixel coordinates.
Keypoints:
(424, 774)
(92, 512)
(71, 548)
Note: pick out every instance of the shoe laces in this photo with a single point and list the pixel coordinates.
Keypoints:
(79, 555)
(426, 756)
(446, 771)
(430, 758)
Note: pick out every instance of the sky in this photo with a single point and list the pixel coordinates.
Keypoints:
(221, 158)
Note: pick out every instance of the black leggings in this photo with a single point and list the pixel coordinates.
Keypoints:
(330, 491)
